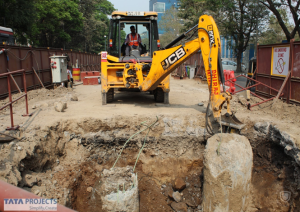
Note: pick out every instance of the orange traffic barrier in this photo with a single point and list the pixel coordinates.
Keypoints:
(229, 80)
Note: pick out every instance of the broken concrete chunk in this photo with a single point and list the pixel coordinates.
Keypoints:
(242, 100)
(169, 192)
(179, 207)
(37, 192)
(29, 180)
(74, 98)
(176, 196)
(60, 106)
(262, 127)
(179, 184)
(245, 94)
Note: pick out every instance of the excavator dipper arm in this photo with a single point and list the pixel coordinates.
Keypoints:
(208, 41)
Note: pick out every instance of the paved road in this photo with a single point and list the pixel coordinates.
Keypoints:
(240, 81)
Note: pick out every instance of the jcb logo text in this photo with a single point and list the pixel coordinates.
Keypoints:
(179, 53)
(211, 34)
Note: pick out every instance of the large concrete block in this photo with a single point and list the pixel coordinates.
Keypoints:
(119, 190)
(227, 175)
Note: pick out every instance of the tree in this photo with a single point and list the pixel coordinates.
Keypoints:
(292, 6)
(95, 25)
(237, 20)
(274, 32)
(72, 24)
(18, 15)
(55, 23)
(190, 11)
(104, 8)
(171, 25)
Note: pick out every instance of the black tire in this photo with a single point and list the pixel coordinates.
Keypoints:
(159, 95)
(110, 95)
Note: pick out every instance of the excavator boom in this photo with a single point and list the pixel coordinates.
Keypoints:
(165, 61)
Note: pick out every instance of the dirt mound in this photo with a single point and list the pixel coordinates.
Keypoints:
(281, 110)
(38, 95)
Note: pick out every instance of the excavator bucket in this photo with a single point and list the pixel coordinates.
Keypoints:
(231, 121)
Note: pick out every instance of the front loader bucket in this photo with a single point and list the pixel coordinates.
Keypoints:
(231, 121)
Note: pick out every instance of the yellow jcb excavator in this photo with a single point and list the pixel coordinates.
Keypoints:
(148, 68)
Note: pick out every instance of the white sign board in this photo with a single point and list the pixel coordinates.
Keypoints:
(280, 60)
(135, 13)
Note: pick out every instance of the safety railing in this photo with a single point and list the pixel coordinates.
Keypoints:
(10, 104)
(253, 83)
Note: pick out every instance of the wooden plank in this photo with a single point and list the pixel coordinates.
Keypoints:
(14, 81)
(38, 77)
(5, 139)
(282, 87)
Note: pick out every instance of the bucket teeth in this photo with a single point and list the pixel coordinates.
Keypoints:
(231, 121)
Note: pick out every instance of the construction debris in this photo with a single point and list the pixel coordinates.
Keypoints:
(62, 155)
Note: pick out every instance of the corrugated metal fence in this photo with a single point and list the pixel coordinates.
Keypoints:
(194, 61)
(291, 91)
(19, 57)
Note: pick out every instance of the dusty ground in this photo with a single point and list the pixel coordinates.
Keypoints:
(61, 154)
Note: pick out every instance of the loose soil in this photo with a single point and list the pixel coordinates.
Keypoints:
(62, 154)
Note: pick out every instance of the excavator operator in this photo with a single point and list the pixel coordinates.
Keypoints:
(133, 41)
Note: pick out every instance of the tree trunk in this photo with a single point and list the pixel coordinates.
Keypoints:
(238, 58)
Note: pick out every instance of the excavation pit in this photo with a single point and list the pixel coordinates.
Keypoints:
(65, 161)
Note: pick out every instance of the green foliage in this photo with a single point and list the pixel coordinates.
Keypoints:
(18, 15)
(171, 25)
(274, 33)
(237, 20)
(190, 11)
(291, 7)
(95, 25)
(71, 24)
(55, 23)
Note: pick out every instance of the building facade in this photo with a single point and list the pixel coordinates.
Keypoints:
(161, 6)
(227, 52)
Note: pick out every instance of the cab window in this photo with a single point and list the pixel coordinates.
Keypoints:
(119, 29)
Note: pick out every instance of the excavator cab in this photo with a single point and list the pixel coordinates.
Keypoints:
(145, 25)
(124, 67)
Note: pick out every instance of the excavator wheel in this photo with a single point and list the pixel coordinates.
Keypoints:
(110, 95)
(159, 95)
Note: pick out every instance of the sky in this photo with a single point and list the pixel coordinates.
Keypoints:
(131, 5)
